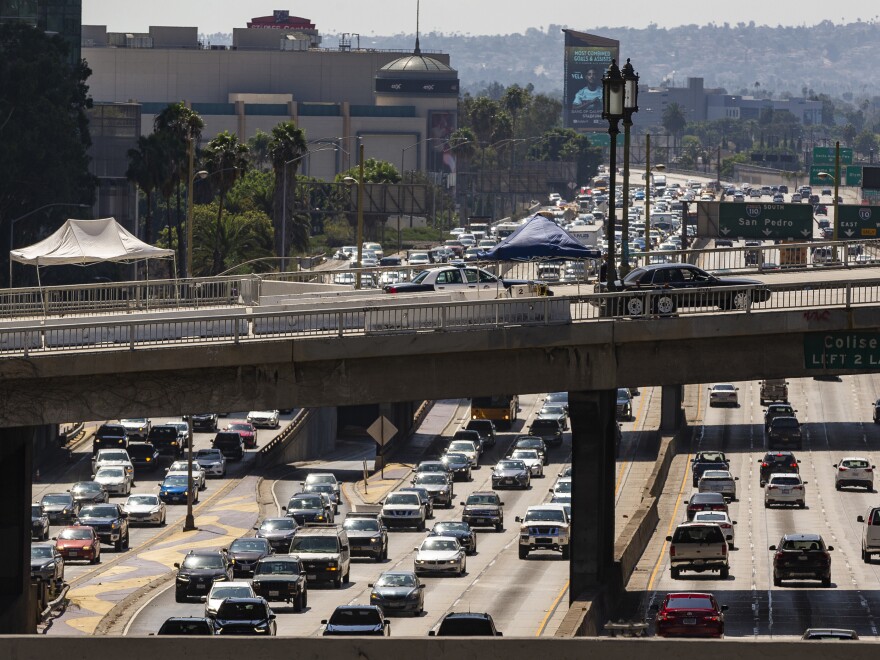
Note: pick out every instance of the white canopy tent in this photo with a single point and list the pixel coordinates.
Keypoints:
(84, 242)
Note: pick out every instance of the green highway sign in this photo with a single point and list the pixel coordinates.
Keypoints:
(858, 221)
(853, 175)
(816, 180)
(842, 350)
(765, 221)
(825, 156)
(599, 139)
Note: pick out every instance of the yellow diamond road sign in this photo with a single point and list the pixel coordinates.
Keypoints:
(382, 430)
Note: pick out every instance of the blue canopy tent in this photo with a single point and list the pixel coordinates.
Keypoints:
(540, 238)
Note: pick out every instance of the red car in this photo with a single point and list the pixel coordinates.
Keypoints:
(247, 432)
(690, 615)
(79, 542)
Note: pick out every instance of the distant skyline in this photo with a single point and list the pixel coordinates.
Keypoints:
(476, 17)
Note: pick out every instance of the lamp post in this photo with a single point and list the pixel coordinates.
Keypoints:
(826, 175)
(360, 213)
(612, 110)
(28, 214)
(283, 254)
(630, 106)
(648, 169)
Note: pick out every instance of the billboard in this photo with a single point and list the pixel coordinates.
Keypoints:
(441, 125)
(587, 57)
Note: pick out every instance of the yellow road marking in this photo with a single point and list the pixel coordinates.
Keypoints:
(550, 612)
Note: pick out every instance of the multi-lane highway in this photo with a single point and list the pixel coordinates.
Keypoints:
(837, 422)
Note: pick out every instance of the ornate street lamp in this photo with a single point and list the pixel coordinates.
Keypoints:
(612, 110)
(630, 106)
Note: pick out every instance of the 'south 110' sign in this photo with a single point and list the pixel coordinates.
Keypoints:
(765, 221)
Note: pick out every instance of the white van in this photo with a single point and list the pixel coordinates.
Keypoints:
(870, 533)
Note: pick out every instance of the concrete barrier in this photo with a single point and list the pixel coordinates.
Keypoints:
(313, 436)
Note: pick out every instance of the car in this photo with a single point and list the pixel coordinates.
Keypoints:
(785, 488)
(212, 461)
(78, 542)
(204, 422)
(266, 419)
(690, 615)
(398, 591)
(854, 471)
(221, 590)
(472, 435)
(670, 285)
(699, 547)
(469, 448)
(110, 436)
(439, 486)
(230, 443)
(776, 462)
(174, 489)
(324, 489)
(59, 507)
(325, 553)
(483, 508)
(278, 531)
(624, 403)
(282, 577)
(556, 411)
(47, 565)
(870, 533)
(114, 479)
(145, 509)
(200, 476)
(466, 624)
(705, 502)
(169, 439)
(419, 259)
(801, 556)
(836, 634)
(401, 509)
(186, 625)
(718, 481)
(511, 473)
(530, 442)
(486, 429)
(198, 571)
(784, 432)
(367, 536)
(325, 478)
(109, 521)
(723, 242)
(137, 428)
(88, 492)
(344, 278)
(309, 508)
(777, 410)
(465, 534)
(360, 620)
(245, 552)
(440, 554)
(545, 527)
(375, 248)
(433, 466)
(458, 464)
(707, 460)
(246, 430)
(877, 411)
(455, 278)
(113, 458)
(533, 460)
(723, 394)
(562, 488)
(722, 519)
(549, 430)
(144, 456)
(39, 523)
(245, 616)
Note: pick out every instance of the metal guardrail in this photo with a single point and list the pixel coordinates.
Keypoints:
(264, 453)
(423, 315)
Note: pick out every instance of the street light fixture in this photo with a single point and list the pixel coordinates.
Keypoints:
(630, 106)
(612, 110)
(28, 214)
(201, 175)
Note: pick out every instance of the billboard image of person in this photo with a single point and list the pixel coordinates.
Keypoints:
(441, 126)
(587, 58)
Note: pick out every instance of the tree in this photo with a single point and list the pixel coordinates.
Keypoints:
(226, 159)
(147, 169)
(375, 171)
(259, 148)
(286, 150)
(674, 120)
(44, 132)
(865, 143)
(234, 238)
(514, 101)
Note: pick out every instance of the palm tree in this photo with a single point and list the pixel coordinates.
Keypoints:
(288, 144)
(259, 146)
(674, 120)
(225, 159)
(234, 239)
(146, 169)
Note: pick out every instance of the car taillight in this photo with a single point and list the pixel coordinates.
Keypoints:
(794, 465)
(672, 551)
(765, 464)
(868, 469)
(841, 469)
(771, 487)
(391, 289)
(779, 556)
(797, 487)
(714, 617)
(724, 549)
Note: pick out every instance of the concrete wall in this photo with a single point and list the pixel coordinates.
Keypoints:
(315, 438)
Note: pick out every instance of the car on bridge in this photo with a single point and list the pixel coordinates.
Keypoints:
(777, 410)
(198, 571)
(200, 477)
(454, 278)
(483, 509)
(39, 523)
(145, 508)
(705, 502)
(675, 285)
(212, 461)
(723, 394)
(278, 531)
(718, 481)
(545, 527)
(367, 536)
(512, 474)
(690, 615)
(109, 521)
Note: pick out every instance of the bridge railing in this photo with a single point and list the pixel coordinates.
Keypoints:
(422, 315)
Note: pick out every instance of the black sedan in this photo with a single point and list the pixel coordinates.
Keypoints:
(672, 285)
(278, 531)
(462, 531)
(360, 620)
(398, 591)
(89, 492)
(39, 523)
(245, 552)
(245, 616)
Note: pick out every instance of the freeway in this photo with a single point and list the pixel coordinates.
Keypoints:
(837, 422)
(526, 598)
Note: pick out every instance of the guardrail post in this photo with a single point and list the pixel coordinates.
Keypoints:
(546, 311)
(848, 295)
(339, 321)
(236, 333)
(130, 337)
(443, 317)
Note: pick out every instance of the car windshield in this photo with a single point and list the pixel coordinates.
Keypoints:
(355, 617)
(446, 527)
(309, 544)
(241, 611)
(139, 421)
(241, 427)
(689, 604)
(278, 523)
(545, 515)
(529, 443)
(779, 459)
(176, 480)
(320, 488)
(321, 479)
(802, 544)
(456, 458)
(462, 445)
(563, 487)
(209, 453)
(105, 511)
(203, 561)
(75, 534)
(698, 534)
(41, 552)
(511, 465)
(431, 467)
(249, 545)
(151, 500)
(436, 478)
(710, 516)
(403, 498)
(219, 592)
(717, 474)
(109, 472)
(781, 410)
(305, 503)
(724, 388)
(526, 454)
(361, 524)
(396, 580)
(114, 456)
(86, 487)
(554, 409)
(711, 457)
(439, 544)
(181, 466)
(855, 463)
(276, 567)
(482, 499)
(418, 279)
(469, 627)
(36, 510)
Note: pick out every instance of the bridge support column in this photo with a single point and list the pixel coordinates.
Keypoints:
(16, 458)
(593, 440)
(671, 413)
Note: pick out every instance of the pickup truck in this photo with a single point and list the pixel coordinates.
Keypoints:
(707, 460)
(774, 389)
(699, 547)
(545, 527)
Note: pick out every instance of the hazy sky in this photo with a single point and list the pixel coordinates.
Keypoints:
(388, 17)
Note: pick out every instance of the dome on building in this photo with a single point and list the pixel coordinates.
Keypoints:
(416, 63)
(417, 74)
